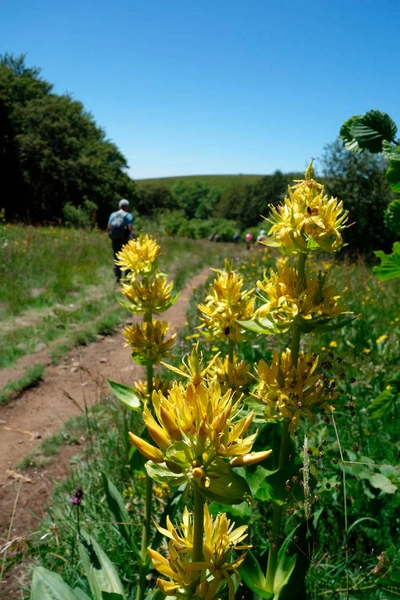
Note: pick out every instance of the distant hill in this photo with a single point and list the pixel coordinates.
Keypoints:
(219, 181)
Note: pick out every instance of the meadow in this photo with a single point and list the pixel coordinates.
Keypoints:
(349, 549)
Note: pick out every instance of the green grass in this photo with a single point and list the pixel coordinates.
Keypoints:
(15, 388)
(219, 181)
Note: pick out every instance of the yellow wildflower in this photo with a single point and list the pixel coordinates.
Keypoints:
(291, 392)
(333, 344)
(149, 294)
(307, 219)
(217, 567)
(226, 303)
(139, 256)
(235, 376)
(148, 341)
(381, 339)
(315, 301)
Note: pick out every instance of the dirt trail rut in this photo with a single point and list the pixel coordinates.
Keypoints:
(41, 411)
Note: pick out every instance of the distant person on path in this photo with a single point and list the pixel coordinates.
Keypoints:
(120, 231)
(248, 238)
(261, 237)
(236, 237)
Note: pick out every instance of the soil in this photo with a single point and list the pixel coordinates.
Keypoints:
(65, 389)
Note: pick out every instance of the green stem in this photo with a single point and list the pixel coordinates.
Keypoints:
(277, 512)
(144, 560)
(284, 449)
(231, 348)
(198, 526)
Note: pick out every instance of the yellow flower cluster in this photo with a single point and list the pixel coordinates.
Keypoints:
(226, 304)
(148, 341)
(148, 294)
(235, 376)
(207, 577)
(307, 219)
(291, 391)
(313, 301)
(195, 426)
(139, 256)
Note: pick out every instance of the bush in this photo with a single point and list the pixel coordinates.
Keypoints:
(81, 217)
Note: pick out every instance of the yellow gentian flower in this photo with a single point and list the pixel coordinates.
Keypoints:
(139, 256)
(148, 341)
(291, 391)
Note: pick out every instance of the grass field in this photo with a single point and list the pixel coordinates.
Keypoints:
(354, 467)
(219, 181)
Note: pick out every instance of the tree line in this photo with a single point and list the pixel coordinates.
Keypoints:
(57, 166)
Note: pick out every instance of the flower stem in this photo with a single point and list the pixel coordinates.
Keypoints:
(198, 526)
(284, 449)
(277, 512)
(144, 560)
(231, 347)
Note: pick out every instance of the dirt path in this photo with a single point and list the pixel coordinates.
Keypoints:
(41, 411)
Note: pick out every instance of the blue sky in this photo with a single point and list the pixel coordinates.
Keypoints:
(185, 87)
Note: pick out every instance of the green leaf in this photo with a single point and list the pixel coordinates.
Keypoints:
(241, 511)
(99, 569)
(390, 264)
(47, 585)
(162, 474)
(80, 594)
(390, 151)
(371, 129)
(262, 326)
(126, 395)
(393, 176)
(254, 577)
(229, 488)
(119, 513)
(383, 483)
(345, 134)
(392, 216)
(381, 405)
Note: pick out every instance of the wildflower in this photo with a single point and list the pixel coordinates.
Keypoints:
(139, 257)
(333, 344)
(309, 303)
(148, 295)
(218, 567)
(235, 376)
(226, 304)
(366, 350)
(148, 341)
(77, 496)
(291, 391)
(381, 339)
(307, 219)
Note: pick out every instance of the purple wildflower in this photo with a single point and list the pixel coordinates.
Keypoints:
(77, 496)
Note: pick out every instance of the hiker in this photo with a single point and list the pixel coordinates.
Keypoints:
(236, 237)
(120, 231)
(248, 238)
(261, 237)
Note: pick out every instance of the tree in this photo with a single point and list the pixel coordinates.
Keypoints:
(359, 180)
(51, 150)
(197, 199)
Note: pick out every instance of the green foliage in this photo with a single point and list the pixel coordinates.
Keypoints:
(392, 216)
(82, 217)
(390, 264)
(368, 131)
(51, 150)
(359, 180)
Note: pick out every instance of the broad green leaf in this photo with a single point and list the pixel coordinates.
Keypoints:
(111, 596)
(345, 134)
(262, 326)
(392, 216)
(126, 394)
(393, 176)
(229, 488)
(390, 263)
(162, 474)
(119, 513)
(47, 585)
(294, 562)
(381, 405)
(241, 511)
(254, 577)
(383, 483)
(390, 151)
(371, 129)
(80, 594)
(100, 571)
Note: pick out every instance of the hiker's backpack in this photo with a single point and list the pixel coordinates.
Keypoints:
(118, 230)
